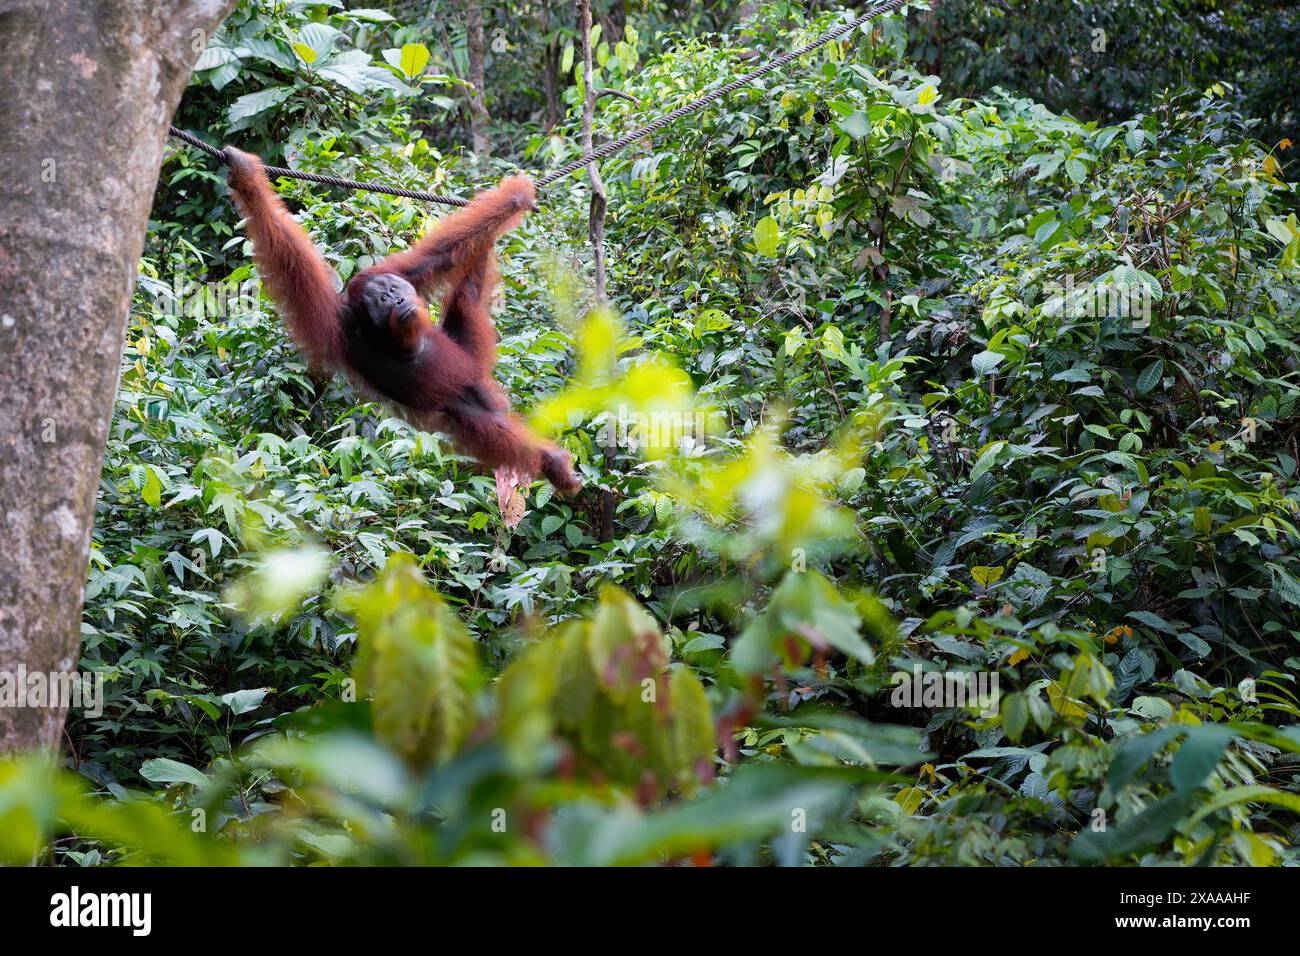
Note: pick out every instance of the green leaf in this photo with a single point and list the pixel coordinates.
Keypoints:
(1146, 829)
(664, 510)
(1153, 620)
(1015, 716)
(1280, 230)
(419, 663)
(414, 58)
(242, 701)
(1150, 376)
(1049, 234)
(850, 481)
(856, 125)
(152, 490)
(692, 734)
(758, 801)
(1132, 753)
(851, 738)
(321, 37)
(805, 609)
(985, 362)
(373, 16)
(269, 51)
(1255, 793)
(1286, 585)
(353, 71)
(766, 236)
(253, 104)
(214, 56)
(987, 459)
(1199, 755)
(163, 770)
(1152, 708)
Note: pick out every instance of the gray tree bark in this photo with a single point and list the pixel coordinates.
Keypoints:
(550, 73)
(613, 22)
(599, 201)
(596, 232)
(476, 48)
(86, 92)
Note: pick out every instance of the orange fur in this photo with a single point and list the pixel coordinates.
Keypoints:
(459, 240)
(293, 271)
(441, 375)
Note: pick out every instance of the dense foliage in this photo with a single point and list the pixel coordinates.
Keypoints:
(968, 388)
(1113, 58)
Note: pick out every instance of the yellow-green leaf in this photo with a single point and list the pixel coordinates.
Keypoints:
(152, 490)
(767, 234)
(414, 58)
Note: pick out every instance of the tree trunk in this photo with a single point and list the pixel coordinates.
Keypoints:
(550, 72)
(599, 203)
(613, 22)
(476, 46)
(596, 232)
(86, 92)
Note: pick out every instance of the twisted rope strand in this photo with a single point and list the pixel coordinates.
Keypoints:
(354, 184)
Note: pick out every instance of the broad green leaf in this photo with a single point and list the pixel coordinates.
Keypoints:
(987, 459)
(1253, 793)
(1150, 376)
(414, 58)
(253, 104)
(1153, 620)
(1015, 716)
(164, 770)
(1049, 234)
(693, 737)
(242, 701)
(985, 362)
(1142, 831)
(1199, 754)
(766, 236)
(152, 490)
(856, 125)
(1133, 752)
(804, 611)
(758, 801)
(418, 662)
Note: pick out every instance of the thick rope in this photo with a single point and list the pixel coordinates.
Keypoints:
(220, 156)
(604, 152)
(614, 146)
